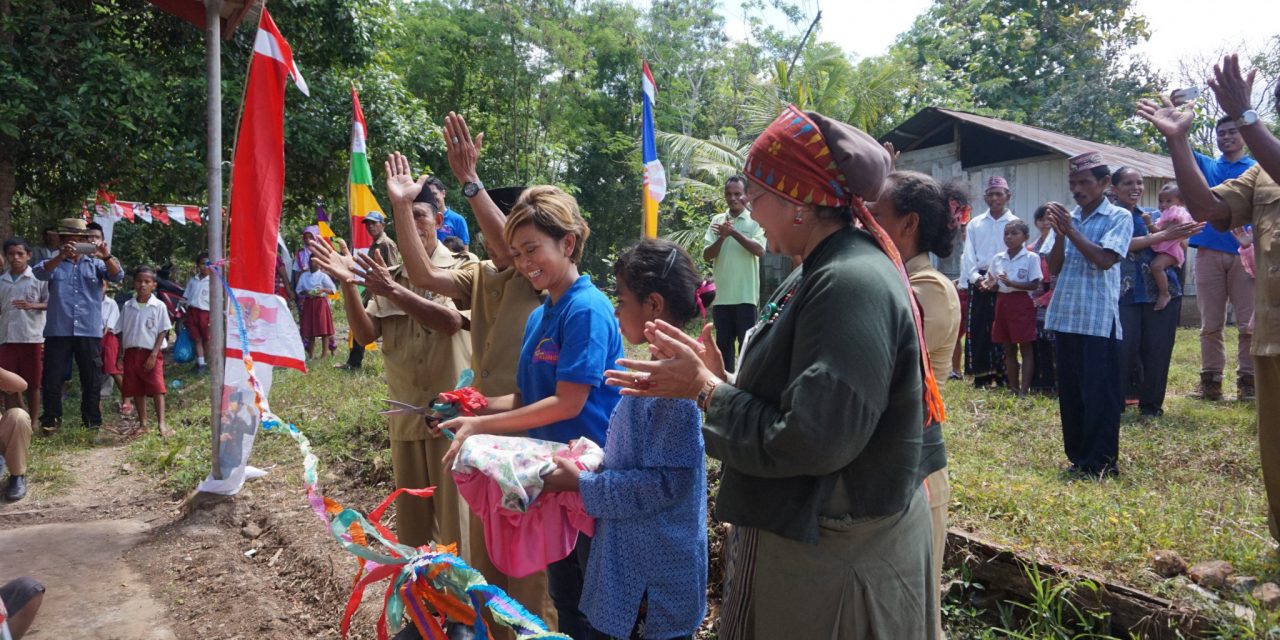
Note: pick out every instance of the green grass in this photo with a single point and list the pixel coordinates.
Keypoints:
(1190, 481)
(48, 457)
(337, 410)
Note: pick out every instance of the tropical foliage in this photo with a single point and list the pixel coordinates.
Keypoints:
(110, 93)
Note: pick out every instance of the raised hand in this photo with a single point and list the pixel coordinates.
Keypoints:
(1233, 90)
(463, 150)
(339, 267)
(401, 187)
(377, 277)
(1243, 235)
(1173, 122)
(893, 154)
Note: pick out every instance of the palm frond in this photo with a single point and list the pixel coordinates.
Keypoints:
(691, 239)
(717, 150)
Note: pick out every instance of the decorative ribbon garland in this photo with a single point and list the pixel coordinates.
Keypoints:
(420, 580)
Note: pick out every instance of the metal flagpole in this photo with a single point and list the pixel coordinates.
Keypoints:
(213, 169)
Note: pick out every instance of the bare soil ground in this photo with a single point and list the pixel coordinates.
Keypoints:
(121, 559)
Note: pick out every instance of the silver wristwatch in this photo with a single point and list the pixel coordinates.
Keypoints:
(1247, 118)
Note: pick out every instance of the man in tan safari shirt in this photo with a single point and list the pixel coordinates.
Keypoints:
(1252, 199)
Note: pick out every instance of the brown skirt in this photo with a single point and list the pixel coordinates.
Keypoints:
(868, 579)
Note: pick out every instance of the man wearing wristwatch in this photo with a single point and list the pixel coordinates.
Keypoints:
(1251, 199)
(73, 321)
(1220, 276)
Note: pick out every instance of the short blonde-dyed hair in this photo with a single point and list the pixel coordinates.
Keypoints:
(552, 212)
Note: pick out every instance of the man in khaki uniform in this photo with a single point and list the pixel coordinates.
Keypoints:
(424, 350)
(500, 300)
(1251, 199)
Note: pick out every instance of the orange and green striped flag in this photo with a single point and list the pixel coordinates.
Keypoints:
(360, 200)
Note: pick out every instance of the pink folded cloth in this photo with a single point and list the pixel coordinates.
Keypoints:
(525, 530)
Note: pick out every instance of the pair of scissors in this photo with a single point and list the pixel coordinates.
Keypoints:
(427, 412)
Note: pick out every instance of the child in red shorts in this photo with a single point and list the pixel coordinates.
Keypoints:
(143, 327)
(1016, 272)
(197, 318)
(23, 300)
(111, 348)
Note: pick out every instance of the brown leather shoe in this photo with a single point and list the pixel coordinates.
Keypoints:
(1244, 386)
(1211, 386)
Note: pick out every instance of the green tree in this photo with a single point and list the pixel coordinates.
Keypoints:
(1064, 65)
(112, 93)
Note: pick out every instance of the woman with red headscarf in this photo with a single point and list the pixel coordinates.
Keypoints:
(820, 432)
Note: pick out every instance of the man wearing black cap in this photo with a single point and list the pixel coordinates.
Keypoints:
(376, 224)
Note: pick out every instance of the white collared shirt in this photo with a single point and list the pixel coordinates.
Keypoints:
(110, 315)
(141, 323)
(983, 239)
(197, 293)
(1023, 268)
(22, 326)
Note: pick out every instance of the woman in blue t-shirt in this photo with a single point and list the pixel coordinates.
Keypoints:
(569, 342)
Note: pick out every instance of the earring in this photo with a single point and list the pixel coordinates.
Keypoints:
(799, 219)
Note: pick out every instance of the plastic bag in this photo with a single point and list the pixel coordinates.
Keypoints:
(184, 350)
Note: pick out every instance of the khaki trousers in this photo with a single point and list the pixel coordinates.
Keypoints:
(15, 438)
(530, 591)
(416, 464)
(1267, 379)
(939, 486)
(1221, 277)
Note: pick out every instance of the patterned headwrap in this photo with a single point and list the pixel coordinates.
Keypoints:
(807, 158)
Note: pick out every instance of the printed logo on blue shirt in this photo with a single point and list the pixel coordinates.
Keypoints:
(547, 351)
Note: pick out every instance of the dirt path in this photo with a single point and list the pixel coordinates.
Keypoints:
(76, 544)
(121, 561)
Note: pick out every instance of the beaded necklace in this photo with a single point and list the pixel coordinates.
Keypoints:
(773, 310)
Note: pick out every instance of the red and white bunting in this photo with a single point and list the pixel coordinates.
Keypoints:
(176, 214)
(140, 212)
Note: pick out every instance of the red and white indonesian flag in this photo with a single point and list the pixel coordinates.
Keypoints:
(257, 191)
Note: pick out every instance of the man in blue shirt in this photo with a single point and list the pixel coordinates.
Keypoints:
(1220, 276)
(454, 225)
(73, 322)
(1085, 315)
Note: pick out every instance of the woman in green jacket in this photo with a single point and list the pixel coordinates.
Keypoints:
(820, 433)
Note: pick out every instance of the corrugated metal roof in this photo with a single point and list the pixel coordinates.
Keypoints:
(927, 121)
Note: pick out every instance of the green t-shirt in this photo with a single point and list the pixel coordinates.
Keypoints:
(737, 270)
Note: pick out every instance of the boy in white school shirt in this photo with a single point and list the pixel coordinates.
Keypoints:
(143, 327)
(23, 300)
(197, 318)
(1015, 273)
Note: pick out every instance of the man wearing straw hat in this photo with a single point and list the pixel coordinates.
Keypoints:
(73, 322)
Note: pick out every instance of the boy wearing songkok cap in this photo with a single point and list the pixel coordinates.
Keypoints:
(983, 239)
(1085, 315)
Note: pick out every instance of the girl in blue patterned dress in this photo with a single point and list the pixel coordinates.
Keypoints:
(647, 571)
